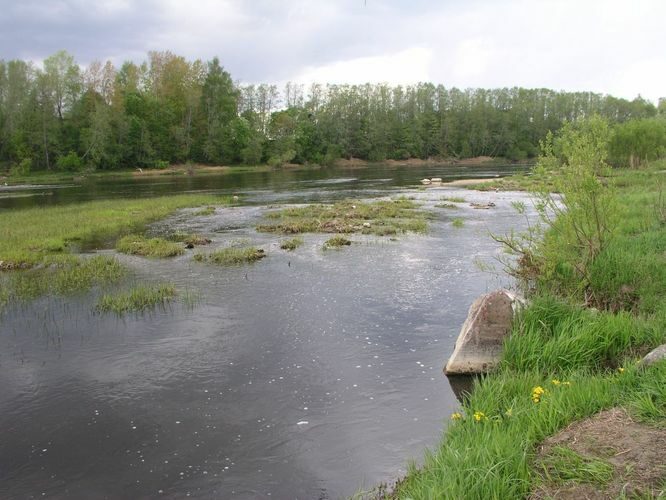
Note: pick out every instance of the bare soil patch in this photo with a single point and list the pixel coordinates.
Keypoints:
(635, 451)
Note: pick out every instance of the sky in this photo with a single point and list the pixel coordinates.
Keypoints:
(607, 46)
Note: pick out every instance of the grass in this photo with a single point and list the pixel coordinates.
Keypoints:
(37, 244)
(232, 256)
(134, 244)
(584, 359)
(446, 205)
(563, 465)
(190, 239)
(384, 217)
(138, 299)
(291, 244)
(493, 457)
(29, 235)
(336, 241)
(458, 222)
(205, 211)
(454, 199)
(59, 276)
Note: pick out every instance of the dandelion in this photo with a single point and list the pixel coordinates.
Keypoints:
(555, 382)
(479, 415)
(621, 370)
(456, 416)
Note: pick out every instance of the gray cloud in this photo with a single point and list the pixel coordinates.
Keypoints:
(600, 45)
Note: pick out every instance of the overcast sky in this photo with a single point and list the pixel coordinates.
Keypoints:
(608, 46)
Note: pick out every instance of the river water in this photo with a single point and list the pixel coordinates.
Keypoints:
(310, 374)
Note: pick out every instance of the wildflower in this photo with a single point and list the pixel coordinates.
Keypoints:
(555, 382)
(509, 412)
(621, 370)
(537, 393)
(479, 415)
(566, 383)
(456, 416)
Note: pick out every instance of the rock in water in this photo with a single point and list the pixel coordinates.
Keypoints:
(479, 345)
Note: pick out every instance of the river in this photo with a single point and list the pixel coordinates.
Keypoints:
(310, 374)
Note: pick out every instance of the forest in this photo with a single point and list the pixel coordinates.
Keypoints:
(62, 117)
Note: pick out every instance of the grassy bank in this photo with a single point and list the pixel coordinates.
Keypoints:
(572, 352)
(37, 244)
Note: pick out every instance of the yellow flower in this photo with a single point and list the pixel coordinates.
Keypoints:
(537, 392)
(566, 383)
(479, 415)
(621, 370)
(456, 416)
(509, 412)
(555, 382)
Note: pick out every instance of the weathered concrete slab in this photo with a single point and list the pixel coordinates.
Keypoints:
(479, 345)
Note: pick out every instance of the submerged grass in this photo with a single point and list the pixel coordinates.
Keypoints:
(190, 239)
(138, 299)
(35, 246)
(291, 244)
(135, 244)
(384, 217)
(232, 256)
(336, 241)
(61, 276)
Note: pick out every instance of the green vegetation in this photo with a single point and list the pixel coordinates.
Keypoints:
(35, 257)
(232, 256)
(60, 275)
(446, 205)
(454, 199)
(205, 211)
(134, 244)
(379, 218)
(565, 465)
(336, 241)
(190, 239)
(457, 222)
(29, 235)
(291, 244)
(169, 110)
(596, 275)
(138, 299)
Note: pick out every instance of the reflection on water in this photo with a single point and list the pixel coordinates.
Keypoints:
(307, 375)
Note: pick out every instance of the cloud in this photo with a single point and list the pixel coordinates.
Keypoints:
(598, 45)
(403, 67)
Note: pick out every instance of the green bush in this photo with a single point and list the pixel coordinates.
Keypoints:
(69, 163)
(637, 142)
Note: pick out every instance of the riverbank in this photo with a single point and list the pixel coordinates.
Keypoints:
(564, 362)
(51, 177)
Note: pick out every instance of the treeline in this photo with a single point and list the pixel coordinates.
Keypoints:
(170, 110)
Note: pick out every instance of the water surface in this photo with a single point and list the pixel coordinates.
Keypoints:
(309, 374)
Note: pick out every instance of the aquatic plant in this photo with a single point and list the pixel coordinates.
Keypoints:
(232, 256)
(138, 299)
(134, 244)
(291, 244)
